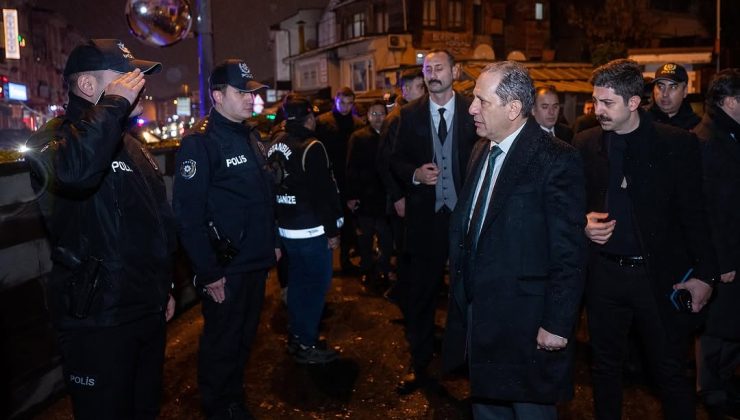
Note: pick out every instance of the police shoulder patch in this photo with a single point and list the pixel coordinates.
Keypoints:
(187, 169)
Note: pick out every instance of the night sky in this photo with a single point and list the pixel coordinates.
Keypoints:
(240, 29)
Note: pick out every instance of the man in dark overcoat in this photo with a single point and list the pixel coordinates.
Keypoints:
(517, 255)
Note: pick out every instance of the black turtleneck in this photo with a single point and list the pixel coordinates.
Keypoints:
(618, 203)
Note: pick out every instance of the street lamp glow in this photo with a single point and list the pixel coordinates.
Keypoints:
(142, 10)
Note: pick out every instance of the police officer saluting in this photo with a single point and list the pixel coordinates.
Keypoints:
(112, 236)
(223, 203)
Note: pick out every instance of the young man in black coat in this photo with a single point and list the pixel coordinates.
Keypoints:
(333, 129)
(719, 132)
(648, 229)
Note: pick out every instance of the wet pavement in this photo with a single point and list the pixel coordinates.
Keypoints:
(360, 385)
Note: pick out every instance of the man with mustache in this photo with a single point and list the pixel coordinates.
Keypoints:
(647, 225)
(436, 136)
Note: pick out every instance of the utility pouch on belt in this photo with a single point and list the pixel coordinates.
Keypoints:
(225, 250)
(84, 285)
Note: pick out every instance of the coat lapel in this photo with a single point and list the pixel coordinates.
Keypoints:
(517, 159)
(424, 128)
(457, 169)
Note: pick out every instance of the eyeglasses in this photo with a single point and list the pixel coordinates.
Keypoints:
(375, 114)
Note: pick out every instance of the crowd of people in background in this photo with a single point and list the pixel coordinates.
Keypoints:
(631, 212)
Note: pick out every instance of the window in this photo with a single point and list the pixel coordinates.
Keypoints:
(477, 17)
(429, 18)
(355, 27)
(538, 11)
(381, 20)
(679, 6)
(455, 14)
(360, 75)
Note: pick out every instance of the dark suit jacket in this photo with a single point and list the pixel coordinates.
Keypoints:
(388, 140)
(664, 183)
(413, 149)
(564, 133)
(334, 130)
(527, 272)
(721, 155)
(363, 180)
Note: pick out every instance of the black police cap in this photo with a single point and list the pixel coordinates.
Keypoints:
(106, 54)
(235, 73)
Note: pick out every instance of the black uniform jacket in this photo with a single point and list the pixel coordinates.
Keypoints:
(102, 196)
(414, 148)
(307, 195)
(720, 138)
(685, 118)
(527, 272)
(664, 182)
(221, 177)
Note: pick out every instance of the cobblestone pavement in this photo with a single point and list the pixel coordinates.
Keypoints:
(360, 385)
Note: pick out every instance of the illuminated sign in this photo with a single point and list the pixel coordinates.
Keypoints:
(183, 106)
(10, 25)
(17, 92)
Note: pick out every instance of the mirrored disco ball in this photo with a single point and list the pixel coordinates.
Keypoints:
(159, 23)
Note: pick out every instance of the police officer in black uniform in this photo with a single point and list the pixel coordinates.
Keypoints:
(112, 236)
(309, 219)
(223, 203)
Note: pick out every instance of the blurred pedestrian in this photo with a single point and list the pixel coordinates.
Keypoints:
(333, 129)
(366, 198)
(412, 88)
(546, 112)
(719, 351)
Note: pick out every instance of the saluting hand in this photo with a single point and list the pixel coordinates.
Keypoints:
(128, 85)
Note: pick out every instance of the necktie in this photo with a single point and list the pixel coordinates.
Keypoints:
(442, 129)
(476, 222)
(552, 132)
